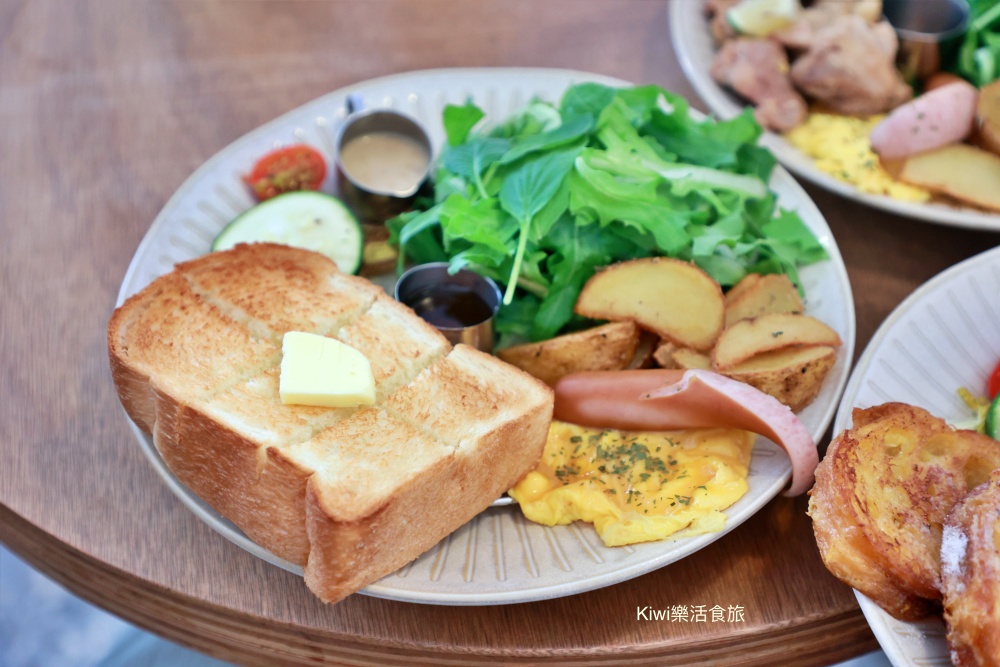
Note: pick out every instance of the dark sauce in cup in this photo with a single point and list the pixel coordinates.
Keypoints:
(450, 306)
(460, 305)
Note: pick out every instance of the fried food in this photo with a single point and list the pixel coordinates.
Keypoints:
(773, 293)
(609, 347)
(766, 333)
(970, 576)
(961, 171)
(672, 298)
(882, 495)
(793, 375)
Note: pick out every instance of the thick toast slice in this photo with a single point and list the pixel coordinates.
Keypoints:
(970, 574)
(272, 289)
(882, 494)
(345, 492)
(168, 336)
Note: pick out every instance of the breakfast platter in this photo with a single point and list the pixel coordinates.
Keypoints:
(499, 557)
(696, 48)
(938, 340)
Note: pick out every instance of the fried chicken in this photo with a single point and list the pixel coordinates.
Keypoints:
(850, 68)
(757, 69)
(801, 34)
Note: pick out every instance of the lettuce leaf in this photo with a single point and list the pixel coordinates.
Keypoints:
(554, 192)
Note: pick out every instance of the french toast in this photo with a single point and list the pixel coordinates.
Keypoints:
(882, 494)
(351, 494)
(970, 577)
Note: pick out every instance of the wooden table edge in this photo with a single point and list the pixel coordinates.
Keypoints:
(236, 636)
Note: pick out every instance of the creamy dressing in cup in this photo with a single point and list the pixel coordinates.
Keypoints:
(382, 160)
(388, 162)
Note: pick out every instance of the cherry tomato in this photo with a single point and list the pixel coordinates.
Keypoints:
(993, 386)
(297, 167)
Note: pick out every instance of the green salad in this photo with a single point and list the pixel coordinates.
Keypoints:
(541, 200)
(979, 56)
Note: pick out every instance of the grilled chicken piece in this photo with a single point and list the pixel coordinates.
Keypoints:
(802, 33)
(850, 68)
(757, 69)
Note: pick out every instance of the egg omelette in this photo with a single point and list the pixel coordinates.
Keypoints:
(636, 486)
(841, 148)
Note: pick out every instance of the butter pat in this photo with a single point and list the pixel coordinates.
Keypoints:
(321, 371)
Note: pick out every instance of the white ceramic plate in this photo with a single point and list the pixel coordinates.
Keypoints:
(944, 336)
(499, 557)
(692, 39)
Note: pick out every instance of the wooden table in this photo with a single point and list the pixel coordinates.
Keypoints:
(106, 106)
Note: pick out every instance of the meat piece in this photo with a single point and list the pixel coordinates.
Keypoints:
(938, 118)
(670, 400)
(850, 68)
(718, 24)
(757, 69)
(802, 33)
(869, 10)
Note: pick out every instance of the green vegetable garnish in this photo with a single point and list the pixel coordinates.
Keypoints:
(979, 55)
(542, 200)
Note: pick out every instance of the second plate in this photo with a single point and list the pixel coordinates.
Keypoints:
(695, 49)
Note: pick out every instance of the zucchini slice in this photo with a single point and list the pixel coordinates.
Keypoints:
(305, 219)
(992, 425)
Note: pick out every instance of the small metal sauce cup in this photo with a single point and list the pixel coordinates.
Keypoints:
(372, 205)
(929, 32)
(425, 280)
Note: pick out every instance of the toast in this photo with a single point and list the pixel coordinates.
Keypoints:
(970, 576)
(350, 494)
(882, 494)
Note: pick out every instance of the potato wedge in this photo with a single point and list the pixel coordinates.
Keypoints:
(685, 357)
(792, 375)
(773, 293)
(610, 347)
(961, 171)
(674, 299)
(773, 331)
(664, 354)
(670, 355)
(988, 116)
(645, 351)
(749, 280)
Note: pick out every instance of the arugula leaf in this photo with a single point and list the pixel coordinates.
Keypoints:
(789, 230)
(551, 194)
(513, 322)
(414, 234)
(471, 159)
(478, 223)
(586, 98)
(459, 121)
(569, 131)
(534, 118)
(526, 192)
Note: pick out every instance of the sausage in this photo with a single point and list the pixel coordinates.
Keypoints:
(667, 400)
(938, 118)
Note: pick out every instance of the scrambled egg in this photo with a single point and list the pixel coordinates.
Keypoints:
(841, 148)
(637, 487)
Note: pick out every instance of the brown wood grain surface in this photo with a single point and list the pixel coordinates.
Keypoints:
(106, 106)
